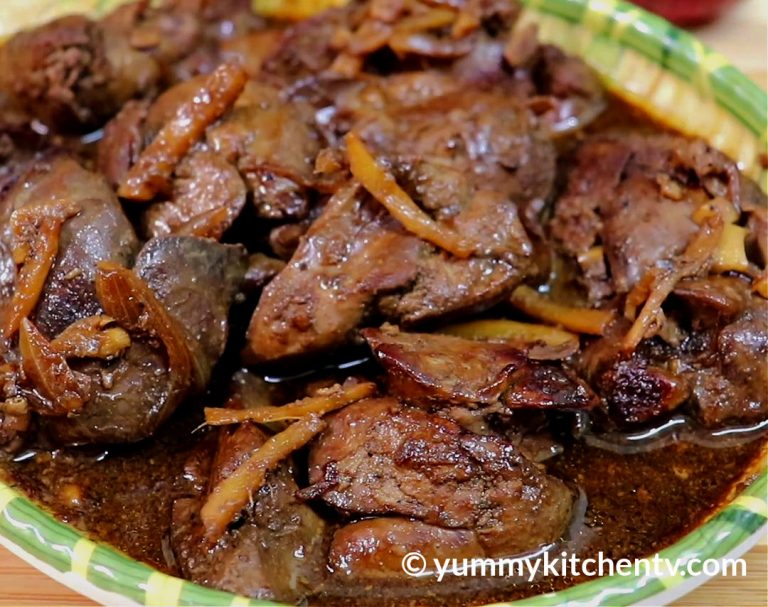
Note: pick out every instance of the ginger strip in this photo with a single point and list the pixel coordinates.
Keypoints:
(519, 334)
(383, 187)
(234, 492)
(325, 402)
(693, 260)
(579, 320)
(36, 231)
(64, 391)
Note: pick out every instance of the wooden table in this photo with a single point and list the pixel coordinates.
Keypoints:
(741, 36)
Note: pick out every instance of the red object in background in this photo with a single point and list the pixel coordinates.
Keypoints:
(686, 12)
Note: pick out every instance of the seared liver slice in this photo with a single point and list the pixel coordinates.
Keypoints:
(197, 280)
(205, 184)
(353, 252)
(375, 548)
(471, 163)
(378, 457)
(274, 145)
(432, 370)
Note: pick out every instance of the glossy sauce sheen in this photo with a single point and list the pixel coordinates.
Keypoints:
(636, 504)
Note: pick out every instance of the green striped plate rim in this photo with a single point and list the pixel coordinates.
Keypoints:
(640, 57)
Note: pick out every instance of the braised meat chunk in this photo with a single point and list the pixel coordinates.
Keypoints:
(434, 370)
(189, 284)
(428, 468)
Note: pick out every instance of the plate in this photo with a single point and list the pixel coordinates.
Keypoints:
(640, 57)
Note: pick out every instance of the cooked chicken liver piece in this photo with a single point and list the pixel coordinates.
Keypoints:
(374, 549)
(634, 195)
(714, 371)
(351, 253)
(74, 73)
(733, 388)
(274, 145)
(378, 457)
(434, 370)
(482, 154)
(196, 279)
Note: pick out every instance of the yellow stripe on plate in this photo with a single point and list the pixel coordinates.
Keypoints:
(81, 557)
(751, 503)
(7, 495)
(163, 590)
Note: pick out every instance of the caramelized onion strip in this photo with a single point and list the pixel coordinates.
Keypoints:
(329, 400)
(64, 391)
(152, 171)
(128, 299)
(36, 231)
(234, 492)
(693, 260)
(383, 187)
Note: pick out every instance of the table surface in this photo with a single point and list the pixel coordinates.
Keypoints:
(741, 36)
